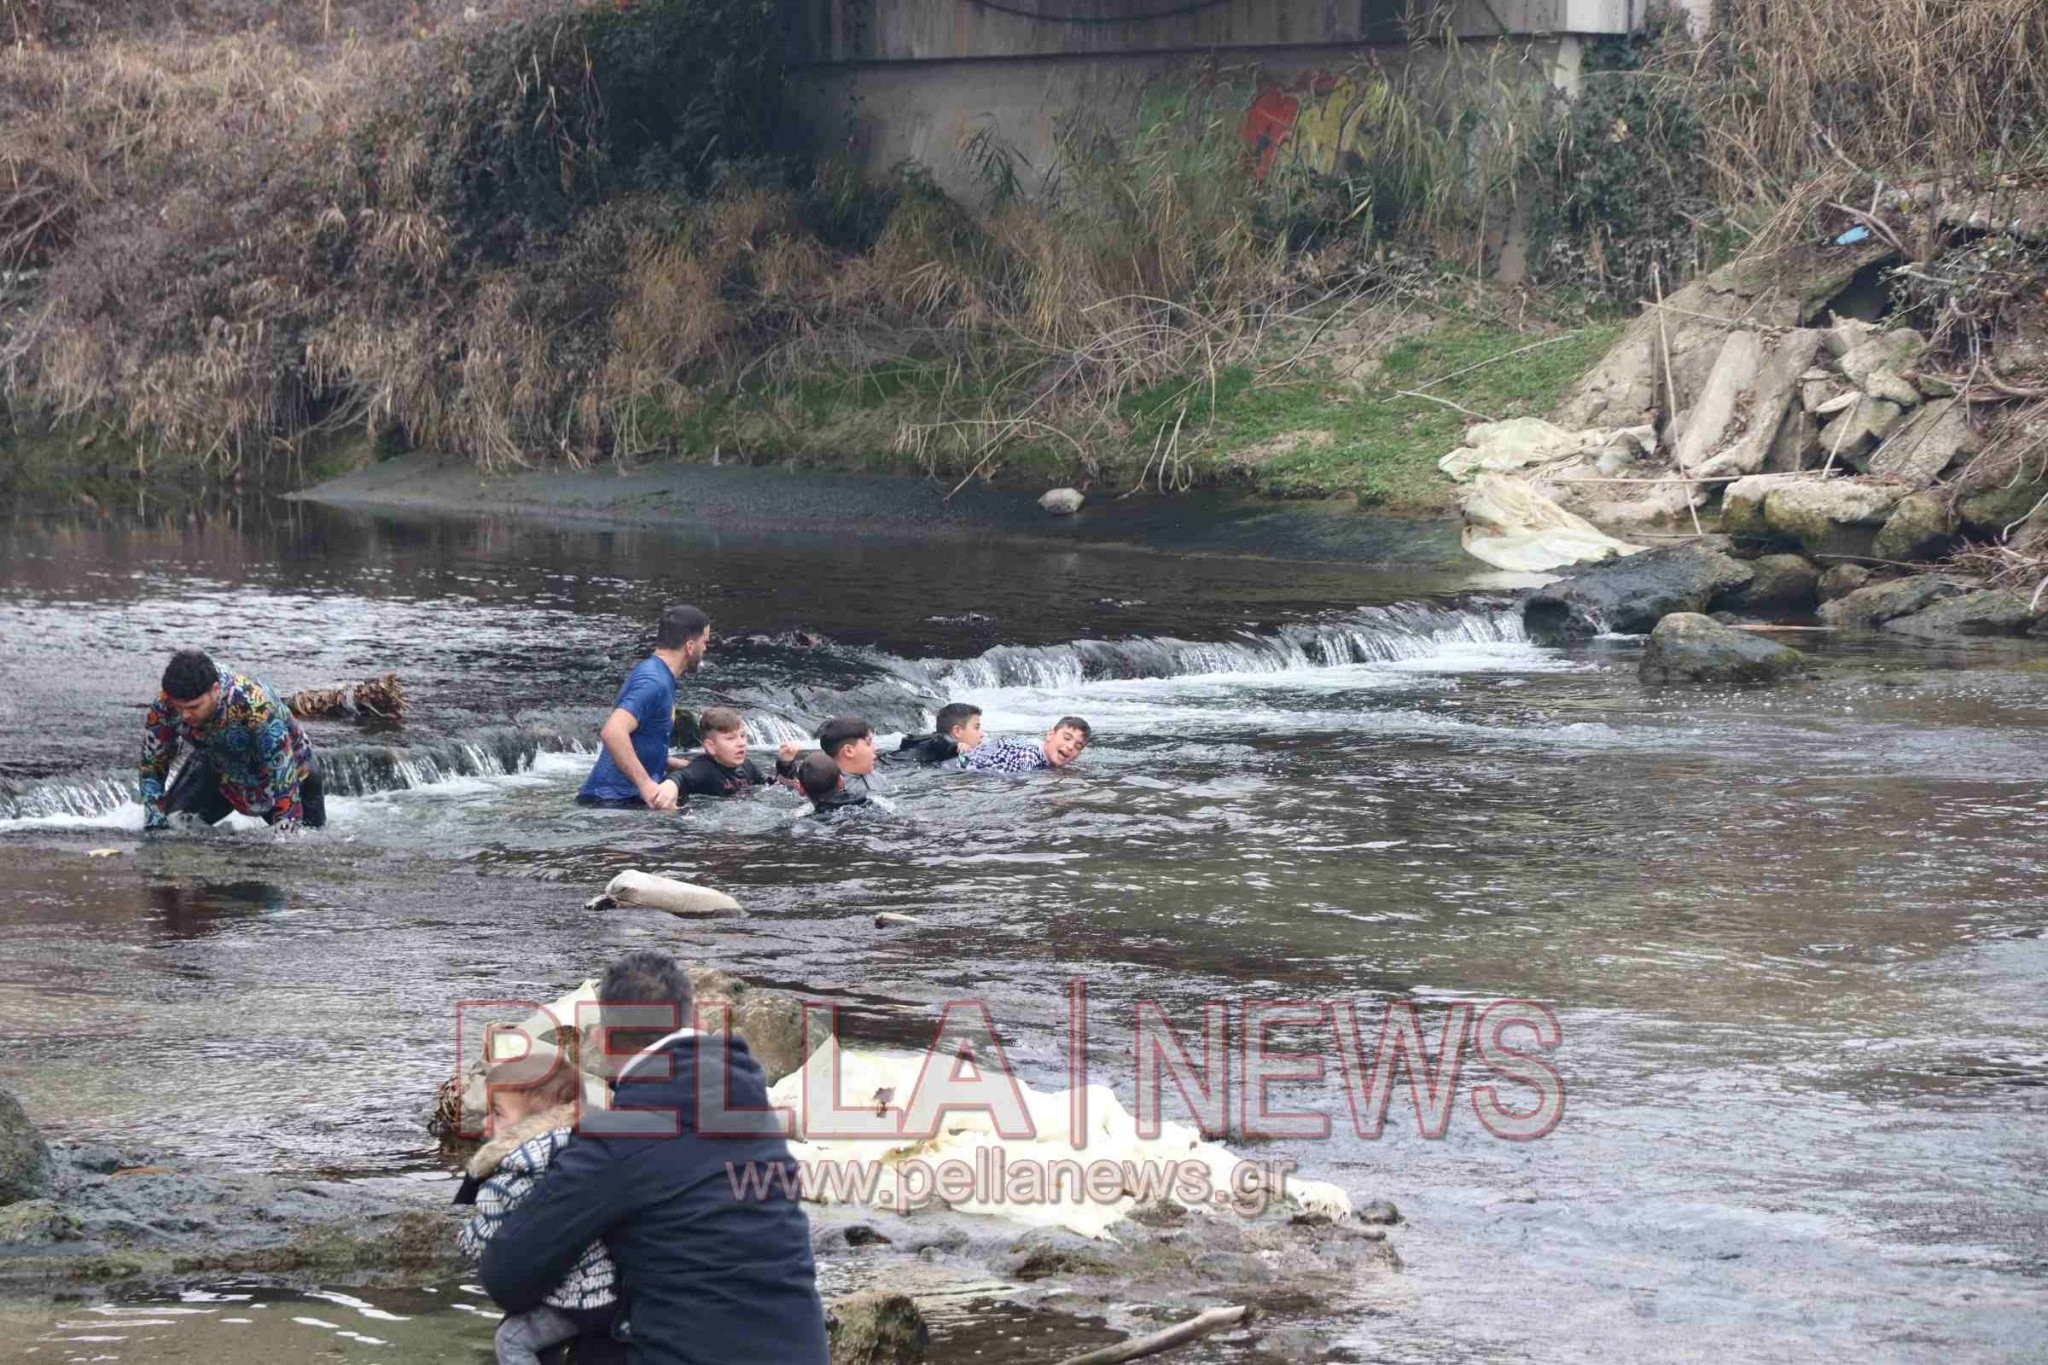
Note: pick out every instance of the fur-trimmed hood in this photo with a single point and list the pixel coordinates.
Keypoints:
(494, 1153)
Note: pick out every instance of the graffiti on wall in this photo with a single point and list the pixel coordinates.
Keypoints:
(1313, 122)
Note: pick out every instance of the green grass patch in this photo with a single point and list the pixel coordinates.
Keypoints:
(1315, 437)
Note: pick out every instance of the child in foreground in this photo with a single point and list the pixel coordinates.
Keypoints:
(957, 731)
(723, 768)
(528, 1126)
(819, 779)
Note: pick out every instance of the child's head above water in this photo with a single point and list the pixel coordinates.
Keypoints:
(514, 1095)
(849, 742)
(818, 776)
(724, 734)
(1065, 741)
(960, 723)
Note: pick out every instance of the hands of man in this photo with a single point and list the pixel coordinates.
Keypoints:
(659, 795)
(788, 750)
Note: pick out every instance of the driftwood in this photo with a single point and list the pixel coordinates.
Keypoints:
(1194, 1329)
(374, 699)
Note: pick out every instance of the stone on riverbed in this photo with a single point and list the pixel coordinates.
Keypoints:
(1830, 516)
(24, 1158)
(877, 1327)
(1869, 607)
(1062, 502)
(1992, 611)
(1631, 595)
(1918, 528)
(1782, 583)
(1687, 647)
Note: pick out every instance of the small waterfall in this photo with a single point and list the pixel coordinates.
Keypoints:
(345, 770)
(1408, 630)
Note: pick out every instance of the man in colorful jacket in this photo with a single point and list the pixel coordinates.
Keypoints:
(244, 751)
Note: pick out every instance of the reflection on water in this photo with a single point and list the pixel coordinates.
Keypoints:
(1795, 939)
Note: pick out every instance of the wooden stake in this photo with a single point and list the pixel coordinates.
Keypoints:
(1194, 1329)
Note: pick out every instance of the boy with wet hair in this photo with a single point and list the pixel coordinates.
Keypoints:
(1062, 745)
(723, 769)
(819, 778)
(849, 742)
(957, 731)
(528, 1126)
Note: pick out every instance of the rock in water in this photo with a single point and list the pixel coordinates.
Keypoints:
(1631, 595)
(1872, 606)
(1993, 611)
(1687, 647)
(24, 1159)
(877, 1327)
(1842, 579)
(1783, 583)
(1062, 502)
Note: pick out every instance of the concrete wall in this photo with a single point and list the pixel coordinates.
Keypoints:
(893, 81)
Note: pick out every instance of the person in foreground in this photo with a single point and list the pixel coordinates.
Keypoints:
(245, 751)
(723, 768)
(956, 731)
(711, 1275)
(1062, 745)
(632, 765)
(818, 777)
(529, 1126)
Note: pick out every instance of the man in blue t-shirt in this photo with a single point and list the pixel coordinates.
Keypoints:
(632, 767)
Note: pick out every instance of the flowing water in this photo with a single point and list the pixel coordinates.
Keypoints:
(1793, 939)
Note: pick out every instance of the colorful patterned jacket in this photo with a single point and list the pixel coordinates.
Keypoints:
(250, 739)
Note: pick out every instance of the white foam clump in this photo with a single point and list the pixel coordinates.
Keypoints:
(879, 1079)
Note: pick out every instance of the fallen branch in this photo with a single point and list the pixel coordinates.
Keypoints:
(380, 699)
(1432, 398)
(1194, 1329)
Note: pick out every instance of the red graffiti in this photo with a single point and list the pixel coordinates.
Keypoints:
(1267, 124)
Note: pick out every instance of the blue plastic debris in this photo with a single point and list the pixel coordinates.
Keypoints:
(1853, 236)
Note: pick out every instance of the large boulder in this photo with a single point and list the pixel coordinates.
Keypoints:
(1830, 516)
(1878, 603)
(1742, 505)
(1631, 595)
(1927, 443)
(876, 1327)
(1991, 611)
(1687, 647)
(1840, 580)
(24, 1157)
(1920, 527)
(1988, 512)
(1782, 585)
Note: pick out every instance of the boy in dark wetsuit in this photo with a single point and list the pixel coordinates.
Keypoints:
(819, 778)
(958, 732)
(722, 769)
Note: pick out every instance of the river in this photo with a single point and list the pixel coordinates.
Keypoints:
(1793, 939)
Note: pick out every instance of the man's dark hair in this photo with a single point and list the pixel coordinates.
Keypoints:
(1074, 723)
(818, 775)
(645, 978)
(189, 674)
(679, 626)
(955, 714)
(840, 731)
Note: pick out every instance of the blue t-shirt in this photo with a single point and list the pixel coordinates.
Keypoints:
(650, 694)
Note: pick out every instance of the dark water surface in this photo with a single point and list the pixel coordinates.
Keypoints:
(1794, 939)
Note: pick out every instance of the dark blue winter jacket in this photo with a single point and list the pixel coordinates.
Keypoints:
(708, 1276)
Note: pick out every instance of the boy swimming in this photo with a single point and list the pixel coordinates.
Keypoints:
(723, 768)
(1062, 745)
(957, 731)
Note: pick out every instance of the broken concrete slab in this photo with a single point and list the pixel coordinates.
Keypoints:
(1856, 430)
(1712, 420)
(1834, 516)
(1924, 445)
(1770, 398)
(1920, 527)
